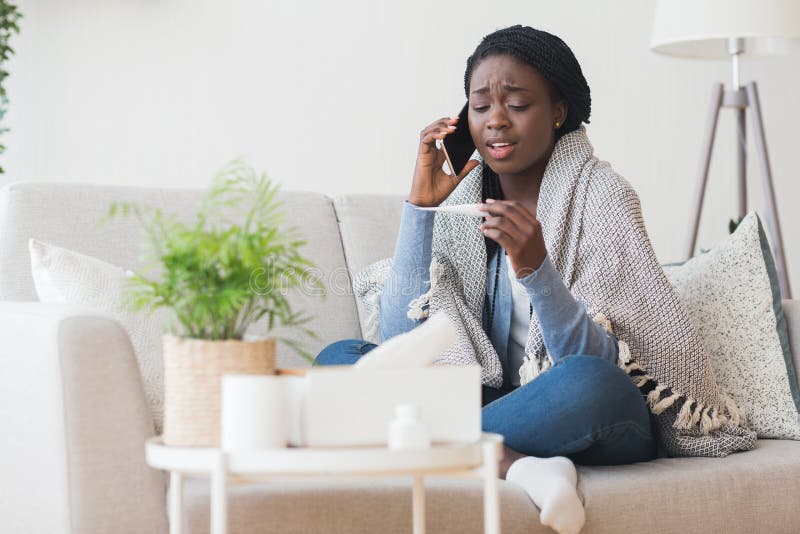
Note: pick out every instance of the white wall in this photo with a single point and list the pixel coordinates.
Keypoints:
(330, 96)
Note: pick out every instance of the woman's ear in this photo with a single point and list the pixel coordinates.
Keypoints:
(561, 112)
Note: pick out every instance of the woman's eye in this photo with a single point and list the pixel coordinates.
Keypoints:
(514, 107)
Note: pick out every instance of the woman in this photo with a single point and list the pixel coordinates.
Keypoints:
(563, 237)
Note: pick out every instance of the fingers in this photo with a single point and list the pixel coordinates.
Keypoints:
(500, 236)
(513, 211)
(503, 228)
(510, 224)
(526, 251)
(442, 125)
(437, 130)
(431, 137)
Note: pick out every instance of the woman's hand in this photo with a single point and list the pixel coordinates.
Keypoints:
(516, 230)
(431, 185)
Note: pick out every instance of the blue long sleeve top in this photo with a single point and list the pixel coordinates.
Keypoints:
(566, 327)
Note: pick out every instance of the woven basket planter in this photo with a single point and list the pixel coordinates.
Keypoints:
(193, 370)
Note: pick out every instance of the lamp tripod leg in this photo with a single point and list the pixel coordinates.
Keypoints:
(773, 223)
(708, 147)
(741, 145)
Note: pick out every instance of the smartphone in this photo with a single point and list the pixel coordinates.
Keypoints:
(458, 145)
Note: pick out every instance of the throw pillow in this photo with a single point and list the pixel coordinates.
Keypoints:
(732, 296)
(64, 276)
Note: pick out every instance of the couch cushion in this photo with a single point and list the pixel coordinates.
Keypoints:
(369, 226)
(67, 215)
(755, 491)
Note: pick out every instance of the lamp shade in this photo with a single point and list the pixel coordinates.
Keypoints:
(702, 28)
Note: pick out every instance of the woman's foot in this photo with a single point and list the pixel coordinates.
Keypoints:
(551, 484)
(509, 457)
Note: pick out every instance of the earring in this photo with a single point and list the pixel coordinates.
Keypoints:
(558, 124)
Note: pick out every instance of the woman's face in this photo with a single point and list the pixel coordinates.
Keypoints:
(512, 115)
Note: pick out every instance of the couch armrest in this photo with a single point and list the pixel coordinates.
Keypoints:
(791, 310)
(74, 420)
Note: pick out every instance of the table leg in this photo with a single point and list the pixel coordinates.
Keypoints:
(219, 496)
(418, 505)
(175, 502)
(491, 496)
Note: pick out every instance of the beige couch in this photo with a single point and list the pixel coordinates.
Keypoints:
(74, 416)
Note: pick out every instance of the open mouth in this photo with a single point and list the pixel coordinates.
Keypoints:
(501, 150)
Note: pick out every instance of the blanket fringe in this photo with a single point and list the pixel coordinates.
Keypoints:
(692, 414)
(665, 403)
(705, 421)
(684, 419)
(372, 318)
(418, 308)
(530, 369)
(632, 367)
(698, 409)
(735, 415)
(660, 397)
(623, 352)
(655, 395)
(624, 355)
(641, 380)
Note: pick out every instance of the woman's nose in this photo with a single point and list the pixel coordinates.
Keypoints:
(498, 119)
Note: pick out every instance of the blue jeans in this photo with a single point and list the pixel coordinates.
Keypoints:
(584, 408)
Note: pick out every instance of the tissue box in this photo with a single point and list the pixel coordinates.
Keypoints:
(353, 407)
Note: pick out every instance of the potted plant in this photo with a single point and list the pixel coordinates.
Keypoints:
(216, 276)
(9, 19)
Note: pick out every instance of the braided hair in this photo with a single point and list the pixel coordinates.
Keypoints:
(556, 63)
(551, 57)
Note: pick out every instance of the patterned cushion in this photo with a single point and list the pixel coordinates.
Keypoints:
(64, 276)
(732, 296)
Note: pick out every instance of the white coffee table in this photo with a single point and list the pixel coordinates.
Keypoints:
(478, 460)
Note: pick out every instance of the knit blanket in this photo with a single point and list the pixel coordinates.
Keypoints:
(595, 236)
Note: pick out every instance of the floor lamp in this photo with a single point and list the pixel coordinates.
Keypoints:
(729, 29)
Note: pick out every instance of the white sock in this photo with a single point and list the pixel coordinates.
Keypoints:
(551, 484)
